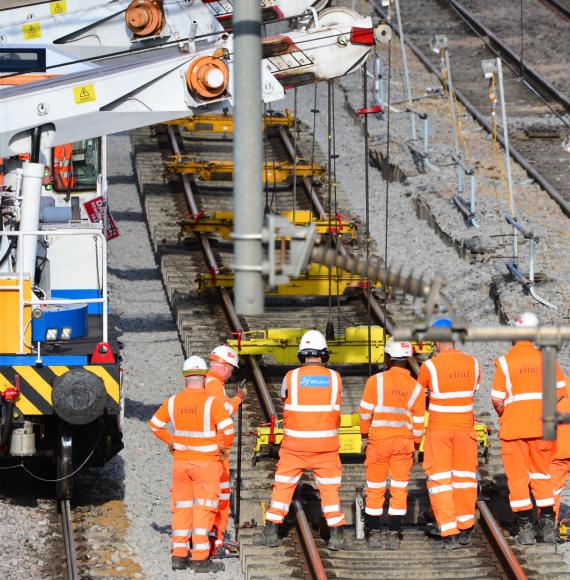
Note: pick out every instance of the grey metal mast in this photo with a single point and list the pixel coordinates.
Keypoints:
(248, 157)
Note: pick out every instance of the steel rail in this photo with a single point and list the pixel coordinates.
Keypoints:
(515, 153)
(558, 6)
(310, 550)
(305, 181)
(67, 530)
(498, 543)
(535, 78)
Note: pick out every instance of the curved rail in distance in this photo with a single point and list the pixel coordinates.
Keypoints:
(515, 153)
(558, 6)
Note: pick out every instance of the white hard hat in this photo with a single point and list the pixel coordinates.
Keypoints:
(398, 349)
(194, 365)
(225, 354)
(527, 319)
(312, 340)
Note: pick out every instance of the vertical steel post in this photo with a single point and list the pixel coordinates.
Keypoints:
(549, 391)
(238, 475)
(451, 102)
(406, 70)
(512, 208)
(248, 155)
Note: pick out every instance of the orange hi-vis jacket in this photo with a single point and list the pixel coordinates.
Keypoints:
(311, 417)
(518, 383)
(393, 405)
(215, 386)
(63, 165)
(562, 445)
(452, 378)
(196, 418)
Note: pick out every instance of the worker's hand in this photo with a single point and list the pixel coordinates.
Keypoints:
(224, 453)
(171, 448)
(364, 444)
(416, 455)
(242, 390)
(499, 406)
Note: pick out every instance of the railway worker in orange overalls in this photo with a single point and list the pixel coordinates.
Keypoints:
(517, 398)
(223, 361)
(392, 413)
(197, 418)
(63, 167)
(560, 461)
(311, 420)
(450, 448)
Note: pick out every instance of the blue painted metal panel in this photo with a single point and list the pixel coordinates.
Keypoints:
(77, 294)
(73, 316)
(49, 360)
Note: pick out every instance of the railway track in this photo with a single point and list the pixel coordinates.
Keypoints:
(537, 110)
(66, 517)
(203, 319)
(562, 7)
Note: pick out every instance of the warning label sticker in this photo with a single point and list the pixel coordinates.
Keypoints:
(31, 30)
(57, 7)
(84, 94)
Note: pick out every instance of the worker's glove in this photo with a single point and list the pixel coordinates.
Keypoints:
(364, 444)
(242, 390)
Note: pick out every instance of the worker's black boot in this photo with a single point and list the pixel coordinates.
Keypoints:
(179, 563)
(270, 535)
(374, 540)
(337, 541)
(393, 540)
(206, 566)
(394, 536)
(465, 536)
(526, 535)
(547, 525)
(450, 542)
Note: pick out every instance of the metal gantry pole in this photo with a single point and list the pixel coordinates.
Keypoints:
(248, 156)
(507, 157)
(406, 70)
(452, 102)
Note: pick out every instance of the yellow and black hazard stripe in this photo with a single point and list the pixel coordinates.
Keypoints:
(36, 386)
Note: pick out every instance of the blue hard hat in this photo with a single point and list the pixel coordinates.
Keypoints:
(442, 323)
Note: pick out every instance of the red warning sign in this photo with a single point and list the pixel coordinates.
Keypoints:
(95, 209)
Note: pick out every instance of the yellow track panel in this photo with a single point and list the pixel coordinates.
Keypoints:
(225, 123)
(221, 223)
(314, 283)
(222, 170)
(352, 348)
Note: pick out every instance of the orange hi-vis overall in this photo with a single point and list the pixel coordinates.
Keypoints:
(215, 387)
(450, 448)
(63, 166)
(197, 418)
(392, 413)
(526, 456)
(560, 461)
(311, 419)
